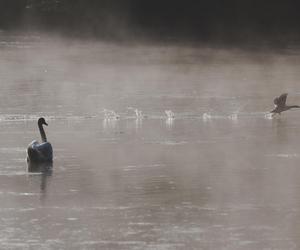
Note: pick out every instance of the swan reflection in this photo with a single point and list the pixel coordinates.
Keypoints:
(44, 167)
(44, 171)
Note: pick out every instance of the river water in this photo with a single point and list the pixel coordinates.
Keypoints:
(217, 173)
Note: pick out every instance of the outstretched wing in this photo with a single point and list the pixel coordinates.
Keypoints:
(281, 100)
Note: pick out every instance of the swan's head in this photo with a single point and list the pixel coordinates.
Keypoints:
(42, 121)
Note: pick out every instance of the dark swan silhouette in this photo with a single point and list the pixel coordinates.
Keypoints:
(280, 104)
(40, 152)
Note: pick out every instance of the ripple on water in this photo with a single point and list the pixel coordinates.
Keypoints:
(28, 117)
(15, 173)
(168, 142)
(293, 155)
(21, 117)
(5, 150)
(173, 143)
(136, 167)
(19, 193)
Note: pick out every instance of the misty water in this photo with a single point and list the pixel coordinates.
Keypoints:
(155, 146)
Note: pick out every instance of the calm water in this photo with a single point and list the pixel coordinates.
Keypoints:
(219, 175)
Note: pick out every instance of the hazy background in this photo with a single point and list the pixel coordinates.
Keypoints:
(231, 21)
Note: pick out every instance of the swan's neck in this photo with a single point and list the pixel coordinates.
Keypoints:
(42, 132)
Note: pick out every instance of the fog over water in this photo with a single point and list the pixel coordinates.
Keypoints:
(155, 146)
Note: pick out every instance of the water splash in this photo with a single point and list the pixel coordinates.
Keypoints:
(269, 116)
(233, 117)
(110, 118)
(110, 115)
(206, 116)
(170, 118)
(170, 114)
(139, 114)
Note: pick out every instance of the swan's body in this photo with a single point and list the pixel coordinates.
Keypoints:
(40, 152)
(280, 104)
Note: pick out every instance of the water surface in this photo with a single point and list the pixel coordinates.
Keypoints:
(218, 175)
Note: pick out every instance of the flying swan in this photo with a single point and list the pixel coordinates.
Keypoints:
(280, 104)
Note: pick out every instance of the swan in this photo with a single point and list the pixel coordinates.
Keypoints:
(280, 104)
(40, 152)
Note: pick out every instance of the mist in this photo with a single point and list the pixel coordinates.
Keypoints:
(218, 22)
(159, 118)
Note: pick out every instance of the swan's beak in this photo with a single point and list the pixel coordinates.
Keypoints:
(46, 123)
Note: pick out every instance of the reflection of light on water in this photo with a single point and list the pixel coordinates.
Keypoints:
(72, 219)
(138, 123)
(109, 123)
(170, 122)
